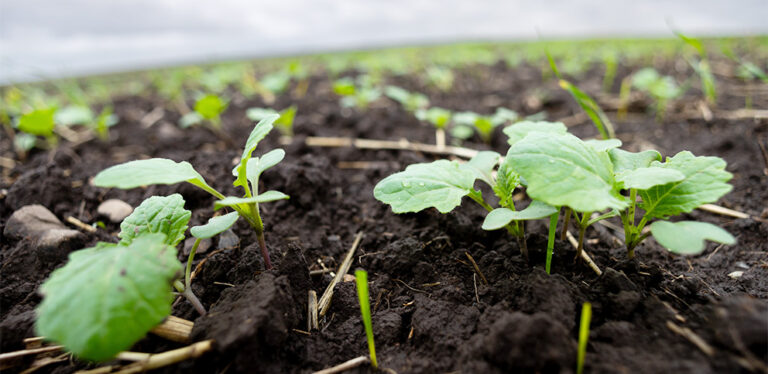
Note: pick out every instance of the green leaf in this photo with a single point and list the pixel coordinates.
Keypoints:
(138, 173)
(258, 114)
(562, 170)
(261, 198)
(506, 182)
(210, 106)
(645, 178)
(500, 217)
(623, 160)
(190, 119)
(38, 122)
(687, 237)
(74, 115)
(257, 134)
(258, 165)
(157, 214)
(705, 182)
(438, 117)
(590, 107)
(601, 145)
(519, 130)
(285, 122)
(108, 297)
(215, 226)
(482, 166)
(440, 184)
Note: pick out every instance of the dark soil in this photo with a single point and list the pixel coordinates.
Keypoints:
(431, 314)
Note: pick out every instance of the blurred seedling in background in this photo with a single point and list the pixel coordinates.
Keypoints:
(467, 124)
(411, 101)
(284, 123)
(356, 93)
(439, 77)
(662, 88)
(702, 67)
(438, 117)
(748, 72)
(586, 318)
(208, 109)
(164, 171)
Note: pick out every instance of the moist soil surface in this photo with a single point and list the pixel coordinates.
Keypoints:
(431, 313)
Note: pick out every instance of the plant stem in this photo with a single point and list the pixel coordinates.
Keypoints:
(190, 296)
(264, 251)
(188, 271)
(551, 239)
(440, 137)
(518, 230)
(566, 222)
(583, 224)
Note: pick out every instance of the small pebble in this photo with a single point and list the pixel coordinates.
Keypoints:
(736, 274)
(114, 209)
(228, 239)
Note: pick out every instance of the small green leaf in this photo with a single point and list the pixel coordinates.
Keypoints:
(108, 297)
(482, 166)
(623, 160)
(210, 106)
(440, 184)
(138, 173)
(562, 170)
(38, 122)
(215, 226)
(645, 178)
(506, 182)
(601, 145)
(705, 182)
(261, 198)
(519, 130)
(258, 165)
(438, 117)
(257, 134)
(687, 237)
(258, 114)
(157, 214)
(500, 217)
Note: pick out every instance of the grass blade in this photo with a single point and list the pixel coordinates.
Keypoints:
(361, 278)
(586, 317)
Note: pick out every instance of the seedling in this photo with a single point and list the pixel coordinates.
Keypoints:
(587, 104)
(39, 122)
(442, 184)
(661, 88)
(164, 171)
(361, 279)
(586, 317)
(440, 77)
(564, 171)
(284, 124)
(702, 67)
(411, 101)
(358, 96)
(439, 118)
(109, 296)
(468, 123)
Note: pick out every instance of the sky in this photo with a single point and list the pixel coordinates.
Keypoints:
(42, 39)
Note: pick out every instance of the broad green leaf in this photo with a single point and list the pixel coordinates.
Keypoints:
(687, 237)
(506, 182)
(519, 130)
(108, 297)
(705, 182)
(483, 164)
(601, 145)
(500, 217)
(261, 198)
(623, 160)
(210, 106)
(645, 178)
(38, 122)
(257, 134)
(562, 170)
(138, 173)
(74, 115)
(157, 214)
(440, 184)
(215, 226)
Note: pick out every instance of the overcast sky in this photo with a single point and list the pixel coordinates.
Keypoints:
(51, 38)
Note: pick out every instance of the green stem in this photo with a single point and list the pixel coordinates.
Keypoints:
(188, 271)
(551, 239)
(583, 224)
(518, 230)
(190, 296)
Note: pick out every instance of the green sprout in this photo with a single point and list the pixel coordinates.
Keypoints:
(39, 122)
(586, 317)
(164, 171)
(661, 88)
(361, 279)
(467, 123)
(411, 101)
(359, 93)
(702, 67)
(439, 77)
(587, 103)
(284, 124)
(438, 117)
